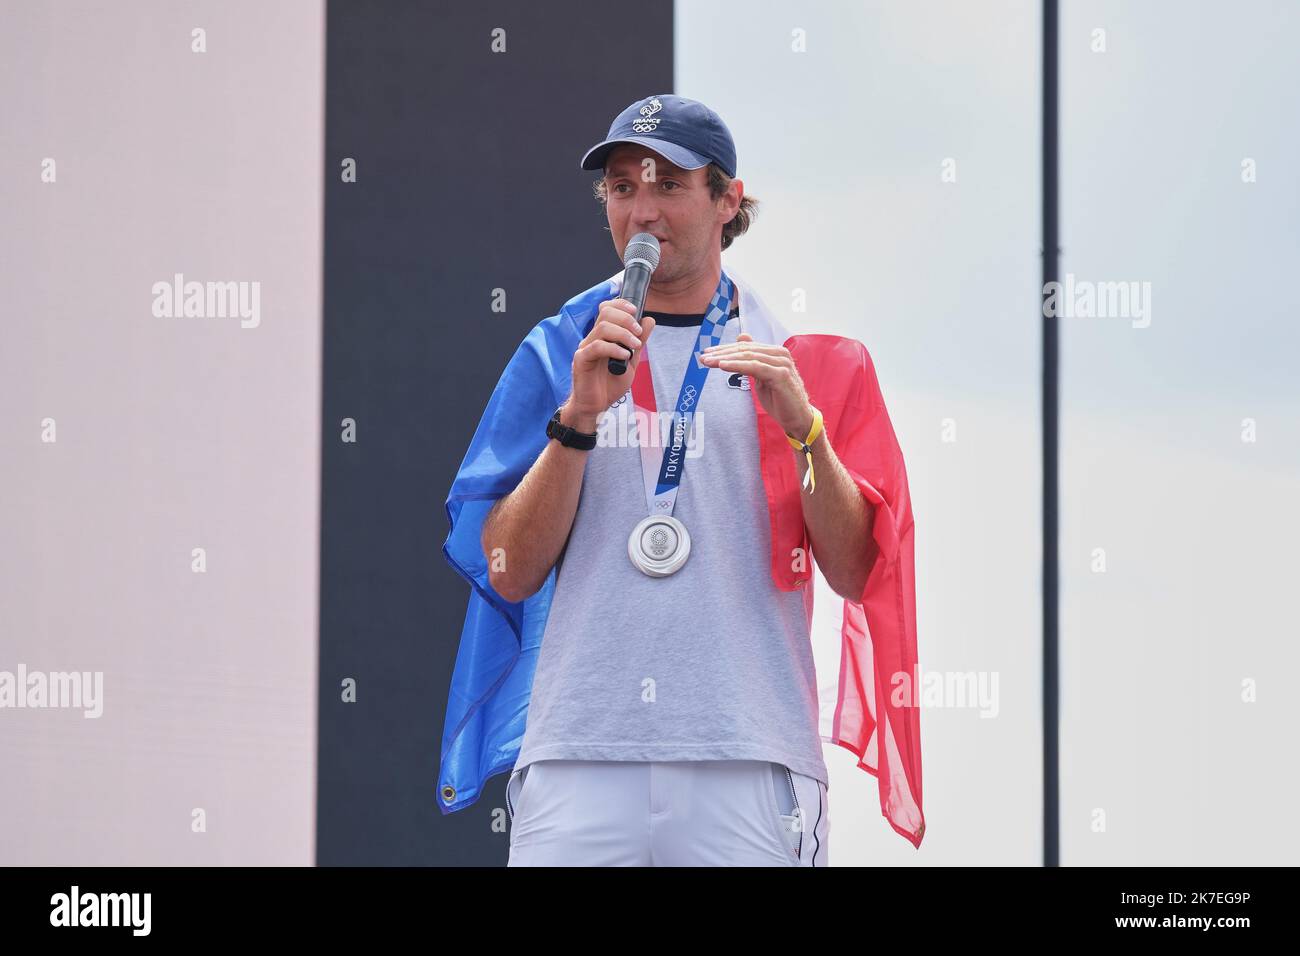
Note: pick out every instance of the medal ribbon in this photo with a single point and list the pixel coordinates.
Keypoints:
(663, 477)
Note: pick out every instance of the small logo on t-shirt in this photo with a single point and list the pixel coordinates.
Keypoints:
(738, 380)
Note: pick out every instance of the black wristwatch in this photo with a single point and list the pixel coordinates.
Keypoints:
(569, 437)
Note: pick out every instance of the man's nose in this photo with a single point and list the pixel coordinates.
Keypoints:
(645, 209)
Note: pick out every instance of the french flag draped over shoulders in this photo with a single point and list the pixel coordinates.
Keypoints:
(877, 710)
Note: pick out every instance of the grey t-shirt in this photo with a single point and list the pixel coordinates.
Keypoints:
(712, 662)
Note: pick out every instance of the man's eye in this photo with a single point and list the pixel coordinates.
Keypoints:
(671, 182)
(619, 186)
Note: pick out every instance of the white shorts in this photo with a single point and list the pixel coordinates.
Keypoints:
(675, 813)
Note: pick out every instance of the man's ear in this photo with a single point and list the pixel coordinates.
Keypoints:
(738, 193)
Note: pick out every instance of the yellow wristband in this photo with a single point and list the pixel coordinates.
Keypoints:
(808, 479)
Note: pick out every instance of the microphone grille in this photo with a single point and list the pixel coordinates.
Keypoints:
(642, 246)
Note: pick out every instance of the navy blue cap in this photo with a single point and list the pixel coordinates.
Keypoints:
(685, 132)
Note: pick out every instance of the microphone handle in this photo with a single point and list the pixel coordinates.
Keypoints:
(636, 280)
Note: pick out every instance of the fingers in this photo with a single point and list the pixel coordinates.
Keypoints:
(748, 345)
(619, 312)
(599, 347)
(733, 358)
(610, 332)
(597, 350)
(616, 322)
(770, 370)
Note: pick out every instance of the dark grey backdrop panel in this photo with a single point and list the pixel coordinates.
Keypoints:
(467, 181)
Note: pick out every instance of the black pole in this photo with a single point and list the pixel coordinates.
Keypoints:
(1051, 405)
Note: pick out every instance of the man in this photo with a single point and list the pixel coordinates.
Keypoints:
(665, 674)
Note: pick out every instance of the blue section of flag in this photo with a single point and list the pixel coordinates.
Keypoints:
(487, 705)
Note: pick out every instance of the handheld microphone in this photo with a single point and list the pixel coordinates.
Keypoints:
(640, 259)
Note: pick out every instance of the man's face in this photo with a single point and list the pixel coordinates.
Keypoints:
(646, 193)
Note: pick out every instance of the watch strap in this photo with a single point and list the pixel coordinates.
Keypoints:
(567, 436)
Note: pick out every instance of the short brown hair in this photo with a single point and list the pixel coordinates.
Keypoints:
(719, 182)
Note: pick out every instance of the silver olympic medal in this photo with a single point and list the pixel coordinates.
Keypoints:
(659, 545)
